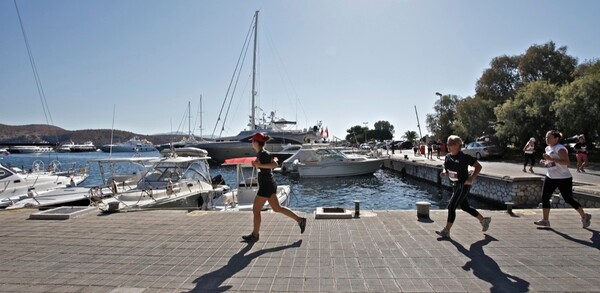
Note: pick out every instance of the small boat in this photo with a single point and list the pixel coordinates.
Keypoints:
(72, 147)
(133, 145)
(242, 197)
(311, 161)
(16, 184)
(179, 179)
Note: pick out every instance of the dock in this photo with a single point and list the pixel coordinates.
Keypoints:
(382, 251)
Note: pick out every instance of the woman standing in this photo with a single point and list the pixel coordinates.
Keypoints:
(581, 154)
(529, 151)
(267, 188)
(456, 167)
(556, 160)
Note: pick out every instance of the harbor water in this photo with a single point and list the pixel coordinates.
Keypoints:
(384, 190)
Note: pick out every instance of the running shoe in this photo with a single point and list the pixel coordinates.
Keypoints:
(444, 233)
(251, 238)
(544, 223)
(302, 225)
(586, 220)
(485, 223)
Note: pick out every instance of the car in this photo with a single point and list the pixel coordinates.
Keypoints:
(483, 149)
(404, 145)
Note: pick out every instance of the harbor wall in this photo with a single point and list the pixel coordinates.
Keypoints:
(523, 192)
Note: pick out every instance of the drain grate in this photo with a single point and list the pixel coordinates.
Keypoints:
(61, 213)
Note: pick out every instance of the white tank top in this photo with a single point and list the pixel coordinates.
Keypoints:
(555, 170)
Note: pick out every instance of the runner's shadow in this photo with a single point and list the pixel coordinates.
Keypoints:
(485, 268)
(595, 238)
(211, 282)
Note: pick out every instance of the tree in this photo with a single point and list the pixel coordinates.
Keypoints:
(529, 114)
(440, 123)
(499, 82)
(356, 134)
(545, 62)
(410, 135)
(577, 107)
(383, 131)
(474, 117)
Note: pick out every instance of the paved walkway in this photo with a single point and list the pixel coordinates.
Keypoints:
(383, 251)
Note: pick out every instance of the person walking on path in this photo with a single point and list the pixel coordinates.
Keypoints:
(529, 151)
(556, 160)
(456, 168)
(267, 188)
(430, 149)
(581, 154)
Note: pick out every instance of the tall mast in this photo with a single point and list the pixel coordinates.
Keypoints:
(200, 116)
(418, 124)
(189, 120)
(252, 120)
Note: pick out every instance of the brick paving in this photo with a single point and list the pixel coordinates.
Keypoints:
(383, 251)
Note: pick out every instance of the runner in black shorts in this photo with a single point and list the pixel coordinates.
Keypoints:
(267, 188)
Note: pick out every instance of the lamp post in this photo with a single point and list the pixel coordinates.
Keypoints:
(365, 123)
(440, 119)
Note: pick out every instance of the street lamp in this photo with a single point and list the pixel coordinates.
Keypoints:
(440, 119)
(365, 123)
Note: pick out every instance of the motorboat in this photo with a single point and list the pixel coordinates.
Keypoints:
(133, 145)
(286, 152)
(242, 197)
(179, 179)
(72, 147)
(16, 184)
(314, 161)
(117, 175)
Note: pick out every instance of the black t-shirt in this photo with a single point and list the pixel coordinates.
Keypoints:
(580, 148)
(264, 157)
(458, 166)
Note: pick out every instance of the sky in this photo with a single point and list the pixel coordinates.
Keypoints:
(135, 65)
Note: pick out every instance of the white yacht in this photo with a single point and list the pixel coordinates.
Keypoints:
(242, 197)
(325, 161)
(16, 184)
(133, 145)
(179, 180)
(72, 147)
(28, 149)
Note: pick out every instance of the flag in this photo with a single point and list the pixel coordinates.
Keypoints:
(321, 131)
(326, 132)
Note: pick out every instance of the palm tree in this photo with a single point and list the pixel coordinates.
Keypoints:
(410, 135)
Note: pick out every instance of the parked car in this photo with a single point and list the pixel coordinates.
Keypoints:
(404, 145)
(483, 149)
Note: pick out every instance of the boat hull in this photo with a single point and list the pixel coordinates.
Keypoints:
(341, 169)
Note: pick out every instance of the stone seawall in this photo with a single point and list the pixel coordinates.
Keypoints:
(524, 191)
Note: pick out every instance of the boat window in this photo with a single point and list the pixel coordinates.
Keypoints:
(198, 171)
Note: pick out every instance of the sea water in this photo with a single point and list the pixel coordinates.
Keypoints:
(384, 190)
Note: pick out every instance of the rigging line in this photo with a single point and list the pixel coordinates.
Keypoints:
(246, 42)
(239, 73)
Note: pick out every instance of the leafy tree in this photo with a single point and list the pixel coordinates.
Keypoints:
(578, 107)
(499, 82)
(356, 134)
(440, 123)
(384, 126)
(546, 62)
(529, 114)
(586, 68)
(410, 135)
(474, 117)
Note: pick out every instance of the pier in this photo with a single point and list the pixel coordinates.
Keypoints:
(382, 251)
(500, 182)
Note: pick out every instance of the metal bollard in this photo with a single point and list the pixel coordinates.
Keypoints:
(509, 206)
(357, 208)
(423, 209)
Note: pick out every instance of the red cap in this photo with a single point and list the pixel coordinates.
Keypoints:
(259, 136)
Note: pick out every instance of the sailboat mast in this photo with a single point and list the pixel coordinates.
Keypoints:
(418, 124)
(252, 120)
(189, 119)
(200, 116)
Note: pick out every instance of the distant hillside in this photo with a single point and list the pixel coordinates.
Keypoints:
(41, 133)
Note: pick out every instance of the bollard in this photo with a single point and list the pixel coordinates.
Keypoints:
(509, 206)
(357, 208)
(423, 209)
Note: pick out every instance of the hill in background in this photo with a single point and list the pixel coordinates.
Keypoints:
(42, 133)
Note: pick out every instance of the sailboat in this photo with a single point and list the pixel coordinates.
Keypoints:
(240, 146)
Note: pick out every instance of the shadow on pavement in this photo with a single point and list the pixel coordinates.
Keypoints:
(211, 282)
(595, 238)
(485, 268)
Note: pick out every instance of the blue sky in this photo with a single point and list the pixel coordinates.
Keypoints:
(341, 62)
